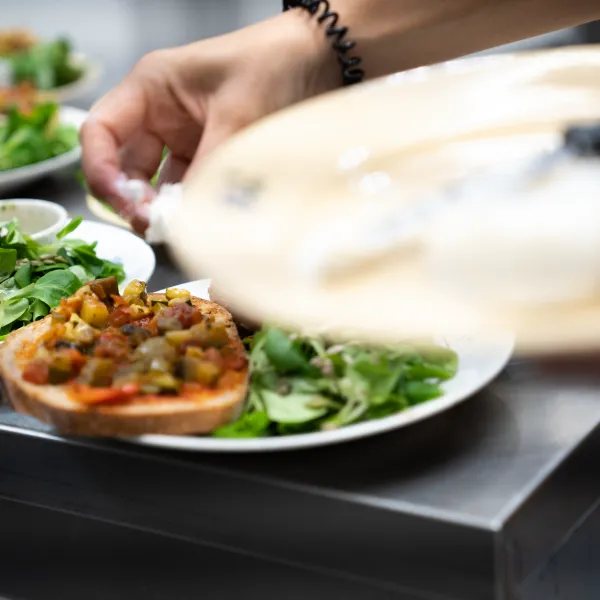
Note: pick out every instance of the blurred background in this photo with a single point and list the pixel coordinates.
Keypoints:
(117, 33)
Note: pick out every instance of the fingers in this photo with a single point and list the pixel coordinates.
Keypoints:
(217, 131)
(140, 158)
(112, 123)
(173, 170)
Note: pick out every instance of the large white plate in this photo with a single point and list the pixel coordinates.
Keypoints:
(119, 245)
(24, 175)
(478, 365)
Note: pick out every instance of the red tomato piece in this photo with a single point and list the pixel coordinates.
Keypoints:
(93, 396)
(36, 372)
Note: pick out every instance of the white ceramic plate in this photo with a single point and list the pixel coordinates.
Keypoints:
(17, 177)
(119, 245)
(478, 365)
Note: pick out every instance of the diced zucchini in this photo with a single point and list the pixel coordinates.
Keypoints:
(157, 347)
(165, 324)
(194, 352)
(176, 293)
(165, 382)
(77, 330)
(157, 307)
(97, 372)
(135, 288)
(60, 369)
(200, 371)
(94, 312)
(161, 365)
(177, 338)
(176, 301)
(139, 312)
(210, 334)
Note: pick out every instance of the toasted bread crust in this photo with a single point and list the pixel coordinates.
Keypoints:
(176, 416)
(244, 324)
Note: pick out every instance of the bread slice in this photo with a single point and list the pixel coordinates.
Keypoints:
(202, 413)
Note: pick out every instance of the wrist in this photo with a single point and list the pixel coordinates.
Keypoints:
(307, 40)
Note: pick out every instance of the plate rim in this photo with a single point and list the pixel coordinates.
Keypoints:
(306, 441)
(151, 253)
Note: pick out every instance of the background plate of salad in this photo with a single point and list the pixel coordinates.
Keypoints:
(38, 142)
(306, 393)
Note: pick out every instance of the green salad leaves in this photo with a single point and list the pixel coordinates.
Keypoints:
(29, 138)
(34, 278)
(300, 384)
(46, 66)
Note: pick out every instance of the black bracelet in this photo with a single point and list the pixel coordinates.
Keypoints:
(351, 71)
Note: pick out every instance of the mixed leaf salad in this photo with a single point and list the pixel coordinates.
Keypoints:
(34, 278)
(30, 137)
(45, 66)
(301, 384)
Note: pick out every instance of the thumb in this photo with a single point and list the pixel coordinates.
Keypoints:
(215, 133)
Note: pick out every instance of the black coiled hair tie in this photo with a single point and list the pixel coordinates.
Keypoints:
(351, 71)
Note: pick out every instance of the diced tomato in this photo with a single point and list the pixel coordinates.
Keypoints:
(187, 315)
(92, 396)
(214, 356)
(36, 372)
(76, 360)
(112, 345)
(120, 316)
(235, 362)
(119, 300)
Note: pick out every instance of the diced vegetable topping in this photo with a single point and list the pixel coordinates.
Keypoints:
(110, 348)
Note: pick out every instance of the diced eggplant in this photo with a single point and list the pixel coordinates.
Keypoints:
(110, 285)
(97, 372)
(210, 334)
(157, 347)
(165, 324)
(60, 369)
(137, 335)
(160, 365)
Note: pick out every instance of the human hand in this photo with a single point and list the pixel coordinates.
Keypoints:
(194, 97)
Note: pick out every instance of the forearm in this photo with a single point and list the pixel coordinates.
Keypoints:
(394, 35)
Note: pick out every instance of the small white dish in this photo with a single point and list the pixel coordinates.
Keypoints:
(39, 219)
(478, 365)
(14, 178)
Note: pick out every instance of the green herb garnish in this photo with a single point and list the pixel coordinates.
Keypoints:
(34, 278)
(302, 385)
(29, 138)
(45, 66)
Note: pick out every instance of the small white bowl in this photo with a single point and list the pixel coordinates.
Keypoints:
(39, 219)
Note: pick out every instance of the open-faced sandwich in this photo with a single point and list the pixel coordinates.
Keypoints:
(108, 364)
